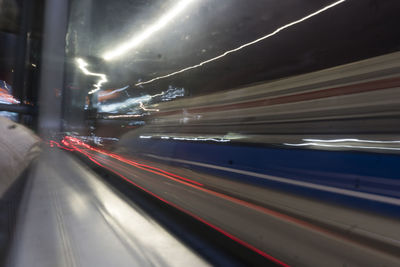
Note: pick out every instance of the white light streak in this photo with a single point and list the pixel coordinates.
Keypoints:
(109, 108)
(160, 94)
(123, 116)
(147, 109)
(114, 91)
(244, 45)
(342, 146)
(103, 78)
(222, 140)
(112, 108)
(159, 24)
(352, 140)
(349, 143)
(201, 139)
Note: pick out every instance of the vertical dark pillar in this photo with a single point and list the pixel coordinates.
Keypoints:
(52, 71)
(21, 59)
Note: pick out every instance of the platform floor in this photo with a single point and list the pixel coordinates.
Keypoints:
(70, 217)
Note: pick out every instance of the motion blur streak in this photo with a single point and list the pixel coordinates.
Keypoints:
(114, 107)
(335, 190)
(244, 45)
(7, 98)
(146, 109)
(103, 78)
(234, 238)
(123, 116)
(342, 146)
(122, 159)
(281, 216)
(52, 143)
(113, 91)
(352, 140)
(138, 39)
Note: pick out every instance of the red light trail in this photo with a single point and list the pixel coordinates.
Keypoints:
(72, 143)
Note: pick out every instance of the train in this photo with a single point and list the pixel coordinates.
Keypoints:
(331, 134)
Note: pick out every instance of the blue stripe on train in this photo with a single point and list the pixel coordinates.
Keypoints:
(364, 172)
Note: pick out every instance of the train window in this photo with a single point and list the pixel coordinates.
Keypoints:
(207, 68)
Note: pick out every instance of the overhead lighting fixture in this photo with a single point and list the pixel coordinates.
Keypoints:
(82, 64)
(138, 39)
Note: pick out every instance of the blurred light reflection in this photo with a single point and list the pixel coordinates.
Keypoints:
(103, 78)
(139, 102)
(179, 138)
(140, 38)
(244, 45)
(352, 140)
(350, 143)
(102, 94)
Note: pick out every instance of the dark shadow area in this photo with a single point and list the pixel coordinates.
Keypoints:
(9, 205)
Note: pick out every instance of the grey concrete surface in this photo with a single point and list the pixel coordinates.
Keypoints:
(69, 217)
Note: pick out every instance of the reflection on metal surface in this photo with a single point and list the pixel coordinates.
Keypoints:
(103, 78)
(245, 45)
(139, 39)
